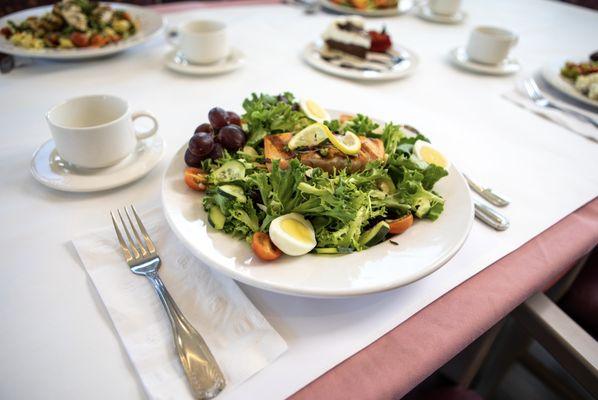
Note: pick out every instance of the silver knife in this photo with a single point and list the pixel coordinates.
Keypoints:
(490, 216)
(487, 193)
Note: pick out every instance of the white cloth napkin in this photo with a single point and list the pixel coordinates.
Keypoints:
(574, 124)
(240, 338)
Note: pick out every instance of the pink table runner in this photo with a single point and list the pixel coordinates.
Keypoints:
(394, 364)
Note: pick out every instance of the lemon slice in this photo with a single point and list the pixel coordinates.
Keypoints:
(311, 136)
(348, 143)
(314, 111)
(424, 151)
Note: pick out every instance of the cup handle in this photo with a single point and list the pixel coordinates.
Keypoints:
(152, 131)
(172, 37)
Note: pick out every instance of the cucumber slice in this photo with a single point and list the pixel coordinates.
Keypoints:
(386, 185)
(375, 234)
(232, 192)
(216, 218)
(231, 170)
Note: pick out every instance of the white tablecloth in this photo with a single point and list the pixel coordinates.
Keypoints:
(55, 338)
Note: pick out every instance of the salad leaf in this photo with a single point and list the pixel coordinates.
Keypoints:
(266, 114)
(361, 125)
(334, 125)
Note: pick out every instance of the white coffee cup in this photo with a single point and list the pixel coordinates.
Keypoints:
(96, 131)
(201, 41)
(490, 45)
(444, 7)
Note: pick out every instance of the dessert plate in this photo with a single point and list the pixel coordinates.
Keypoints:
(424, 12)
(395, 64)
(458, 56)
(176, 62)
(50, 170)
(420, 251)
(150, 24)
(403, 7)
(552, 74)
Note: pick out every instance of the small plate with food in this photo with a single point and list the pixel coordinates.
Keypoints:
(77, 29)
(575, 79)
(294, 198)
(348, 50)
(369, 8)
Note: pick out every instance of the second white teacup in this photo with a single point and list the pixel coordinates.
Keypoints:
(444, 7)
(490, 45)
(96, 131)
(202, 41)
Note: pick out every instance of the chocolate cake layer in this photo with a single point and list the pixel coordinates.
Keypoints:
(352, 49)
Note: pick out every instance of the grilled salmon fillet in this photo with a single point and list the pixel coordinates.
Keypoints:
(326, 157)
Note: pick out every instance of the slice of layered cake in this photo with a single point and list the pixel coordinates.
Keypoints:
(348, 35)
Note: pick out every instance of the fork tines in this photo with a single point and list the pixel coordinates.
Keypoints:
(138, 246)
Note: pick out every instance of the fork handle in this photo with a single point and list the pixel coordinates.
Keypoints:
(202, 371)
(575, 114)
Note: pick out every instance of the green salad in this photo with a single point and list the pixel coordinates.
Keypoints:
(287, 178)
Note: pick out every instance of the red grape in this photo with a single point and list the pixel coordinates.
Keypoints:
(204, 128)
(232, 137)
(201, 144)
(217, 117)
(216, 152)
(192, 160)
(233, 118)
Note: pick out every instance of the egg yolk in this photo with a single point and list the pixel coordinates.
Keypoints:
(314, 108)
(431, 156)
(296, 229)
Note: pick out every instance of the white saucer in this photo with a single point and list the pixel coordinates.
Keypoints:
(425, 12)
(508, 66)
(49, 169)
(176, 62)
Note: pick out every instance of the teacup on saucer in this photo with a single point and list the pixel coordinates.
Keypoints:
(460, 58)
(425, 12)
(48, 168)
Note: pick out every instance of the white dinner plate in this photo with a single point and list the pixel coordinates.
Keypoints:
(150, 24)
(403, 7)
(420, 251)
(177, 62)
(50, 170)
(552, 74)
(312, 54)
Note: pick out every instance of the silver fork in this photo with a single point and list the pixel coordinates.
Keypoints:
(534, 93)
(202, 371)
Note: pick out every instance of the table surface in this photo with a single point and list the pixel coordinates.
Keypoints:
(56, 334)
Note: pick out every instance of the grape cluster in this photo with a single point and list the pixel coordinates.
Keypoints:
(209, 139)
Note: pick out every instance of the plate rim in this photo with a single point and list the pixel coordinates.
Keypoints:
(354, 75)
(88, 189)
(85, 53)
(313, 293)
(549, 73)
(389, 12)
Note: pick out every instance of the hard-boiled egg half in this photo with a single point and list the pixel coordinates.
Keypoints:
(293, 234)
(314, 111)
(425, 151)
